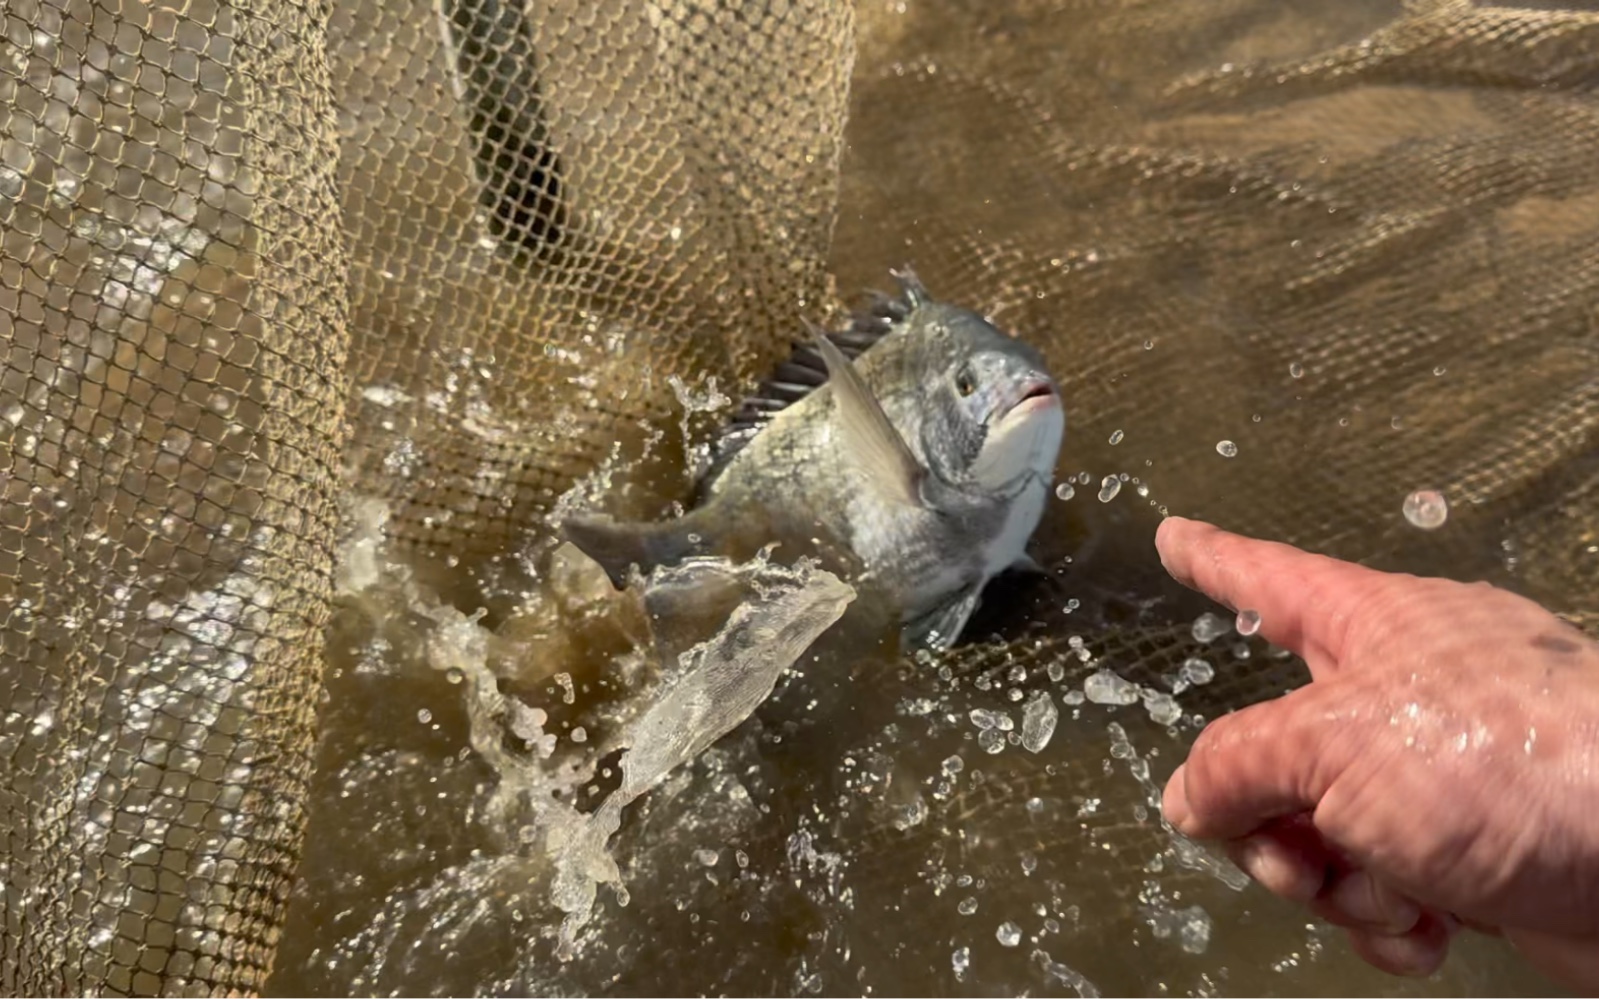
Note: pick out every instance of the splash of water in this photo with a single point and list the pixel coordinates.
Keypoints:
(1189, 854)
(717, 683)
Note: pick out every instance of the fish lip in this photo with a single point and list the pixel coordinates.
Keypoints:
(1036, 393)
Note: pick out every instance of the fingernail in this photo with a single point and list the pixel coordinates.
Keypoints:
(1250, 856)
(1174, 802)
(1414, 955)
(1361, 899)
(1277, 868)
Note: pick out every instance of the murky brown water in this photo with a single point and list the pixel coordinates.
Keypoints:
(1347, 269)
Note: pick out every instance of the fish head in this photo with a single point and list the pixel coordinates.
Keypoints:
(994, 414)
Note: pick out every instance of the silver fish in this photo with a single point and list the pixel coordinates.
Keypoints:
(921, 437)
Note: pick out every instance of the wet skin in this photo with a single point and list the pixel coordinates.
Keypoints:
(1440, 771)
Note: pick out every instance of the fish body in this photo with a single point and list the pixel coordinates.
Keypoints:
(922, 438)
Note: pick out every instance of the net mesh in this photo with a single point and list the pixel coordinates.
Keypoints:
(175, 330)
(257, 258)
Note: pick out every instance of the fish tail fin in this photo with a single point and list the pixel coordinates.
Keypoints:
(618, 546)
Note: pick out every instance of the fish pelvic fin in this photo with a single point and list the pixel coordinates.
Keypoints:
(941, 627)
(618, 547)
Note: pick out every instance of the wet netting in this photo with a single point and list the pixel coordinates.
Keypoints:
(314, 316)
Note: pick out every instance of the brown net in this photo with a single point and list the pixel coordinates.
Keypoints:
(432, 271)
(172, 297)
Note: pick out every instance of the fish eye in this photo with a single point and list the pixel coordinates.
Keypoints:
(965, 384)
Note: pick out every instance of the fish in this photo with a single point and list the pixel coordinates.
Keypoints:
(921, 437)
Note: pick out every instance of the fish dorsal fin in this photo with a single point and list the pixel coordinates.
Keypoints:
(805, 371)
(867, 435)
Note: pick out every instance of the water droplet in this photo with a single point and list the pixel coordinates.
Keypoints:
(1296, 370)
(1439, 370)
(1008, 934)
(1248, 622)
(1197, 671)
(1426, 509)
(1227, 449)
(960, 960)
(1149, 345)
(1038, 722)
(1072, 604)
(1396, 423)
(1116, 437)
(968, 906)
(1065, 491)
(953, 765)
(1108, 488)
(1208, 627)
(1163, 708)
(985, 720)
(911, 815)
(424, 716)
(1105, 687)
(706, 858)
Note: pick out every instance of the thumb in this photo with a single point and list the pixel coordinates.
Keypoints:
(1263, 762)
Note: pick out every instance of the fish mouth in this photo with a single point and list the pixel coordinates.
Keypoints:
(1035, 394)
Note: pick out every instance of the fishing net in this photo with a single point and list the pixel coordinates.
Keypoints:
(313, 315)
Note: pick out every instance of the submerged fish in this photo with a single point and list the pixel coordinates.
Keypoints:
(921, 437)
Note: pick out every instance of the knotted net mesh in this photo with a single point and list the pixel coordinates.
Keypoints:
(313, 313)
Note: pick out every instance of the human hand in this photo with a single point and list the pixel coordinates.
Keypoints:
(1442, 767)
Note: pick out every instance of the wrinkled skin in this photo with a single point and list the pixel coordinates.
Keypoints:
(1441, 770)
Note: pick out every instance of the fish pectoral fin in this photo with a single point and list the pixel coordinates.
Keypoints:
(1028, 566)
(617, 547)
(940, 627)
(868, 436)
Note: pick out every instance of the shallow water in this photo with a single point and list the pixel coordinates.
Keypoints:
(875, 827)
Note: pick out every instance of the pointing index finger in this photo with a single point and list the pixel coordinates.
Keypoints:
(1306, 602)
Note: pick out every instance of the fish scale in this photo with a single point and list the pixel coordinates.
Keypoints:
(922, 438)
